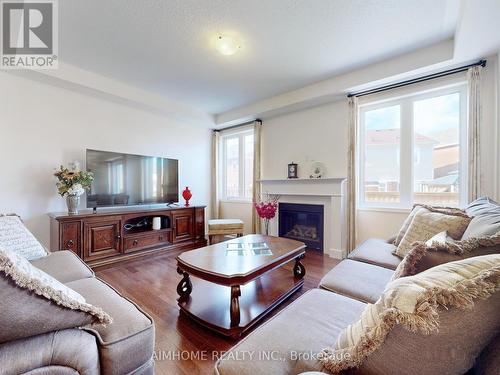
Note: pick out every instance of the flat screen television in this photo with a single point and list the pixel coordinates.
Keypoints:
(127, 180)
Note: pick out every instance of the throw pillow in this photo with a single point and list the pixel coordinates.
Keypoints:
(16, 237)
(406, 224)
(427, 224)
(415, 303)
(22, 271)
(39, 302)
(440, 250)
(419, 207)
(486, 218)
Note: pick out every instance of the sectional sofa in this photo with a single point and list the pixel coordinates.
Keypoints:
(32, 346)
(290, 341)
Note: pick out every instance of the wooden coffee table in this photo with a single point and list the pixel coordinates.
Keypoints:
(230, 286)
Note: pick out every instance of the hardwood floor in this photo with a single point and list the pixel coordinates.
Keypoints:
(182, 346)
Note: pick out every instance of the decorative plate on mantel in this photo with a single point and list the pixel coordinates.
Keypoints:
(318, 170)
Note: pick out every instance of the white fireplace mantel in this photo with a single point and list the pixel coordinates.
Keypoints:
(325, 179)
(331, 187)
(329, 192)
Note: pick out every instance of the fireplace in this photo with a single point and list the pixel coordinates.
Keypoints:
(302, 222)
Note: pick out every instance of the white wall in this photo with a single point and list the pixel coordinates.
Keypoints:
(378, 224)
(314, 134)
(43, 126)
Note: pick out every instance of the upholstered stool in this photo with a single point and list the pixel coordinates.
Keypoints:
(223, 227)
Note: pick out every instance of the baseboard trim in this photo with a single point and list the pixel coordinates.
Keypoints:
(336, 253)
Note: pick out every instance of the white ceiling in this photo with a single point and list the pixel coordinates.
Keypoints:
(163, 46)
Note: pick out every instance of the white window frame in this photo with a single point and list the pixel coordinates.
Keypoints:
(406, 150)
(240, 134)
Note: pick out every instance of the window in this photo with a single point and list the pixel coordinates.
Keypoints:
(237, 165)
(412, 149)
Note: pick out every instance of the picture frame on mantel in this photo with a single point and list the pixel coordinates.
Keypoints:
(293, 170)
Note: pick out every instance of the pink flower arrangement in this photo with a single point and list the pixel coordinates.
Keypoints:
(267, 208)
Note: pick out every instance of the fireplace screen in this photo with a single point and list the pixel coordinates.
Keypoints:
(302, 222)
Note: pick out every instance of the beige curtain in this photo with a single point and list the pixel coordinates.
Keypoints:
(215, 175)
(474, 124)
(351, 173)
(257, 128)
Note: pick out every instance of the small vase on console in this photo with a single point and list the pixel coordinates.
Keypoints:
(72, 201)
(186, 194)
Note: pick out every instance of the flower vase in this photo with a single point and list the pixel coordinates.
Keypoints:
(73, 201)
(186, 194)
(266, 227)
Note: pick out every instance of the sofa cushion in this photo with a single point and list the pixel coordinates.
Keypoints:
(416, 303)
(38, 302)
(293, 337)
(362, 281)
(64, 266)
(427, 223)
(378, 252)
(128, 342)
(70, 351)
(16, 237)
(486, 218)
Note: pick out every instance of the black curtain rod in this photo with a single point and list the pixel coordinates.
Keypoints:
(239, 125)
(417, 80)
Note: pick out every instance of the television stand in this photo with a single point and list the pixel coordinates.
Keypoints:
(105, 237)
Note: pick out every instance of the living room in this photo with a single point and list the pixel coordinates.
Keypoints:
(266, 187)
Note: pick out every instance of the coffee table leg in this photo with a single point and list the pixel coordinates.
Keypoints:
(235, 305)
(184, 287)
(299, 270)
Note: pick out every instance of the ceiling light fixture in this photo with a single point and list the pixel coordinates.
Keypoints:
(227, 45)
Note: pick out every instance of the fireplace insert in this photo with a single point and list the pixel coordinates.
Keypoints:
(302, 222)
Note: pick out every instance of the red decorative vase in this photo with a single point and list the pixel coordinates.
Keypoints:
(186, 194)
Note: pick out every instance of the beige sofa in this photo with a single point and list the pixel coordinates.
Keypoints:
(123, 347)
(289, 342)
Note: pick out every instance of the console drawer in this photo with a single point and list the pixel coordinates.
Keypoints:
(150, 240)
